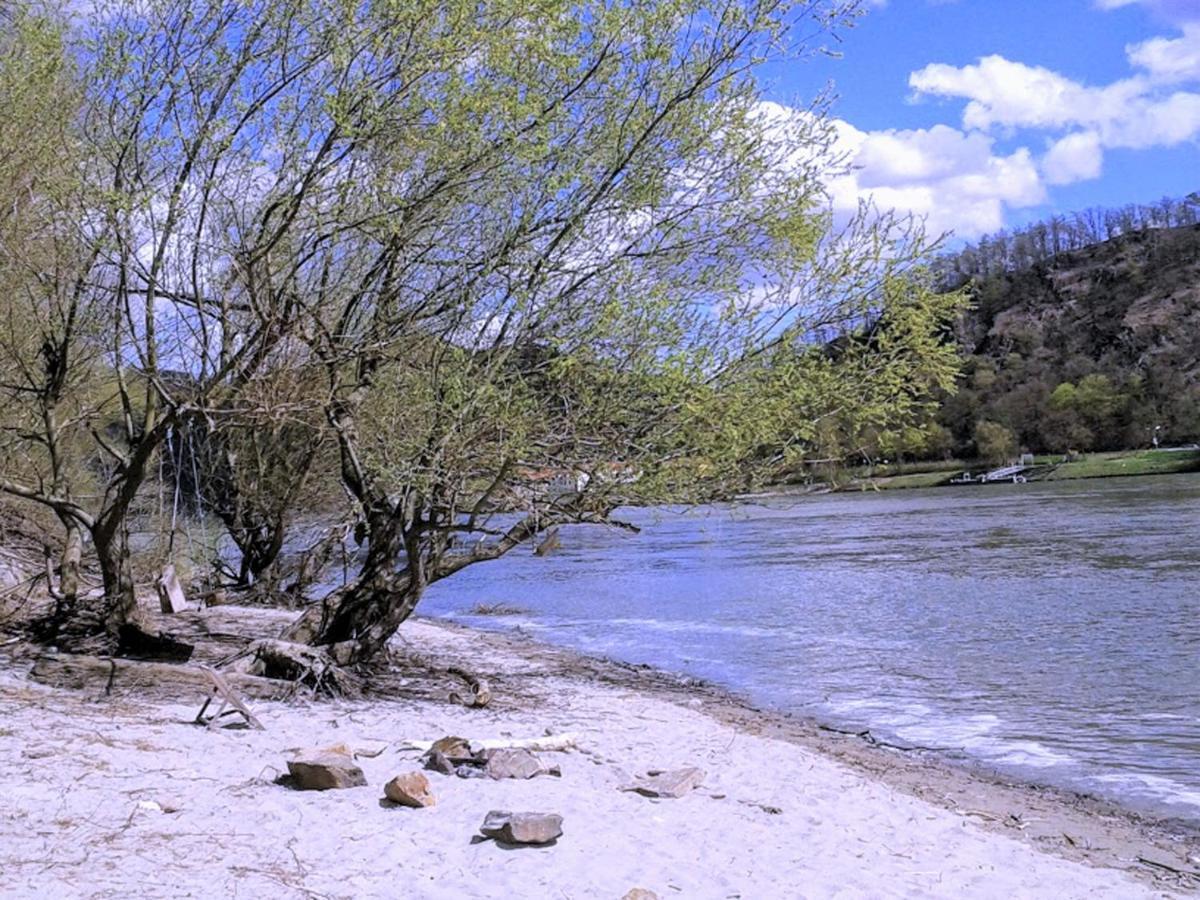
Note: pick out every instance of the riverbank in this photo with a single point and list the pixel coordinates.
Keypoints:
(1117, 464)
(111, 793)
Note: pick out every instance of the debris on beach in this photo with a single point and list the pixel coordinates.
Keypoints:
(409, 789)
(480, 692)
(436, 761)
(371, 749)
(499, 764)
(170, 592)
(331, 768)
(456, 756)
(446, 754)
(669, 784)
(457, 746)
(640, 894)
(522, 828)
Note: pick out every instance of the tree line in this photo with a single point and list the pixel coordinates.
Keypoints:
(1040, 242)
(1081, 335)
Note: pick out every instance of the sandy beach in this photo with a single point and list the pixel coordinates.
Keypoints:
(117, 794)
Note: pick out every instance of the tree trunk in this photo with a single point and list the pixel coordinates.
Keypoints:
(356, 621)
(260, 549)
(69, 562)
(119, 604)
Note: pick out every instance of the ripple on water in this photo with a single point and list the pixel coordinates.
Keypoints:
(1044, 629)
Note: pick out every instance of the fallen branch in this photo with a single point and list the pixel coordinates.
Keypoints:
(78, 672)
(481, 692)
(547, 744)
(1187, 873)
(866, 735)
(312, 667)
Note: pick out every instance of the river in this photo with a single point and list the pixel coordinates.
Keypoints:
(1050, 631)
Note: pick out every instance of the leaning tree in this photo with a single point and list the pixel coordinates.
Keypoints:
(581, 255)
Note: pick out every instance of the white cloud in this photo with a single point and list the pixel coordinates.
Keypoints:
(1151, 108)
(1013, 94)
(1077, 157)
(1172, 10)
(1169, 60)
(959, 178)
(953, 179)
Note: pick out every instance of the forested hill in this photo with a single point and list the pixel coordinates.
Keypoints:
(1088, 349)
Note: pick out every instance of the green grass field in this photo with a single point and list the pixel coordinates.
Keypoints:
(1093, 465)
(1137, 462)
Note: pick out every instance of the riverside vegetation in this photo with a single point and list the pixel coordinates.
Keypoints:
(447, 278)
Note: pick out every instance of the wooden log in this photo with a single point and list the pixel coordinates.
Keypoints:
(106, 673)
(134, 642)
(170, 591)
(548, 744)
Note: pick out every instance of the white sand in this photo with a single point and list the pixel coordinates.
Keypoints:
(85, 779)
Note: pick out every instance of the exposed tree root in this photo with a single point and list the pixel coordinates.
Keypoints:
(480, 691)
(313, 667)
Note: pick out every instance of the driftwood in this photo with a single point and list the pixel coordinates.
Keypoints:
(551, 543)
(481, 691)
(312, 667)
(135, 643)
(70, 671)
(547, 744)
(228, 697)
(879, 742)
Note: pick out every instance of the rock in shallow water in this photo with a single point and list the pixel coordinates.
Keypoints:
(522, 828)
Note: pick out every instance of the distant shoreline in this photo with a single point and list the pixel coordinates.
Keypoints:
(1053, 467)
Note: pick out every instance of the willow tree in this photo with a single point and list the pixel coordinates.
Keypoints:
(575, 234)
(159, 263)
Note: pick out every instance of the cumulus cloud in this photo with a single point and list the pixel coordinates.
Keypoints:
(1055, 131)
(953, 179)
(1135, 112)
(1002, 92)
(1158, 105)
(1169, 60)
(1077, 157)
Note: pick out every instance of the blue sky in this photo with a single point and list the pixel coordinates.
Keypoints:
(987, 113)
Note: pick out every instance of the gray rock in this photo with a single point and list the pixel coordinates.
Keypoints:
(522, 828)
(409, 789)
(672, 784)
(516, 764)
(325, 771)
(436, 761)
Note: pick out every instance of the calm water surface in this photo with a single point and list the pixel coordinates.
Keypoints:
(1048, 630)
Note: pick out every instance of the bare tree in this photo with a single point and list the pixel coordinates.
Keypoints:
(167, 261)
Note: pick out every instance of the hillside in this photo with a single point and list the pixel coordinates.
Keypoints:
(1090, 349)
